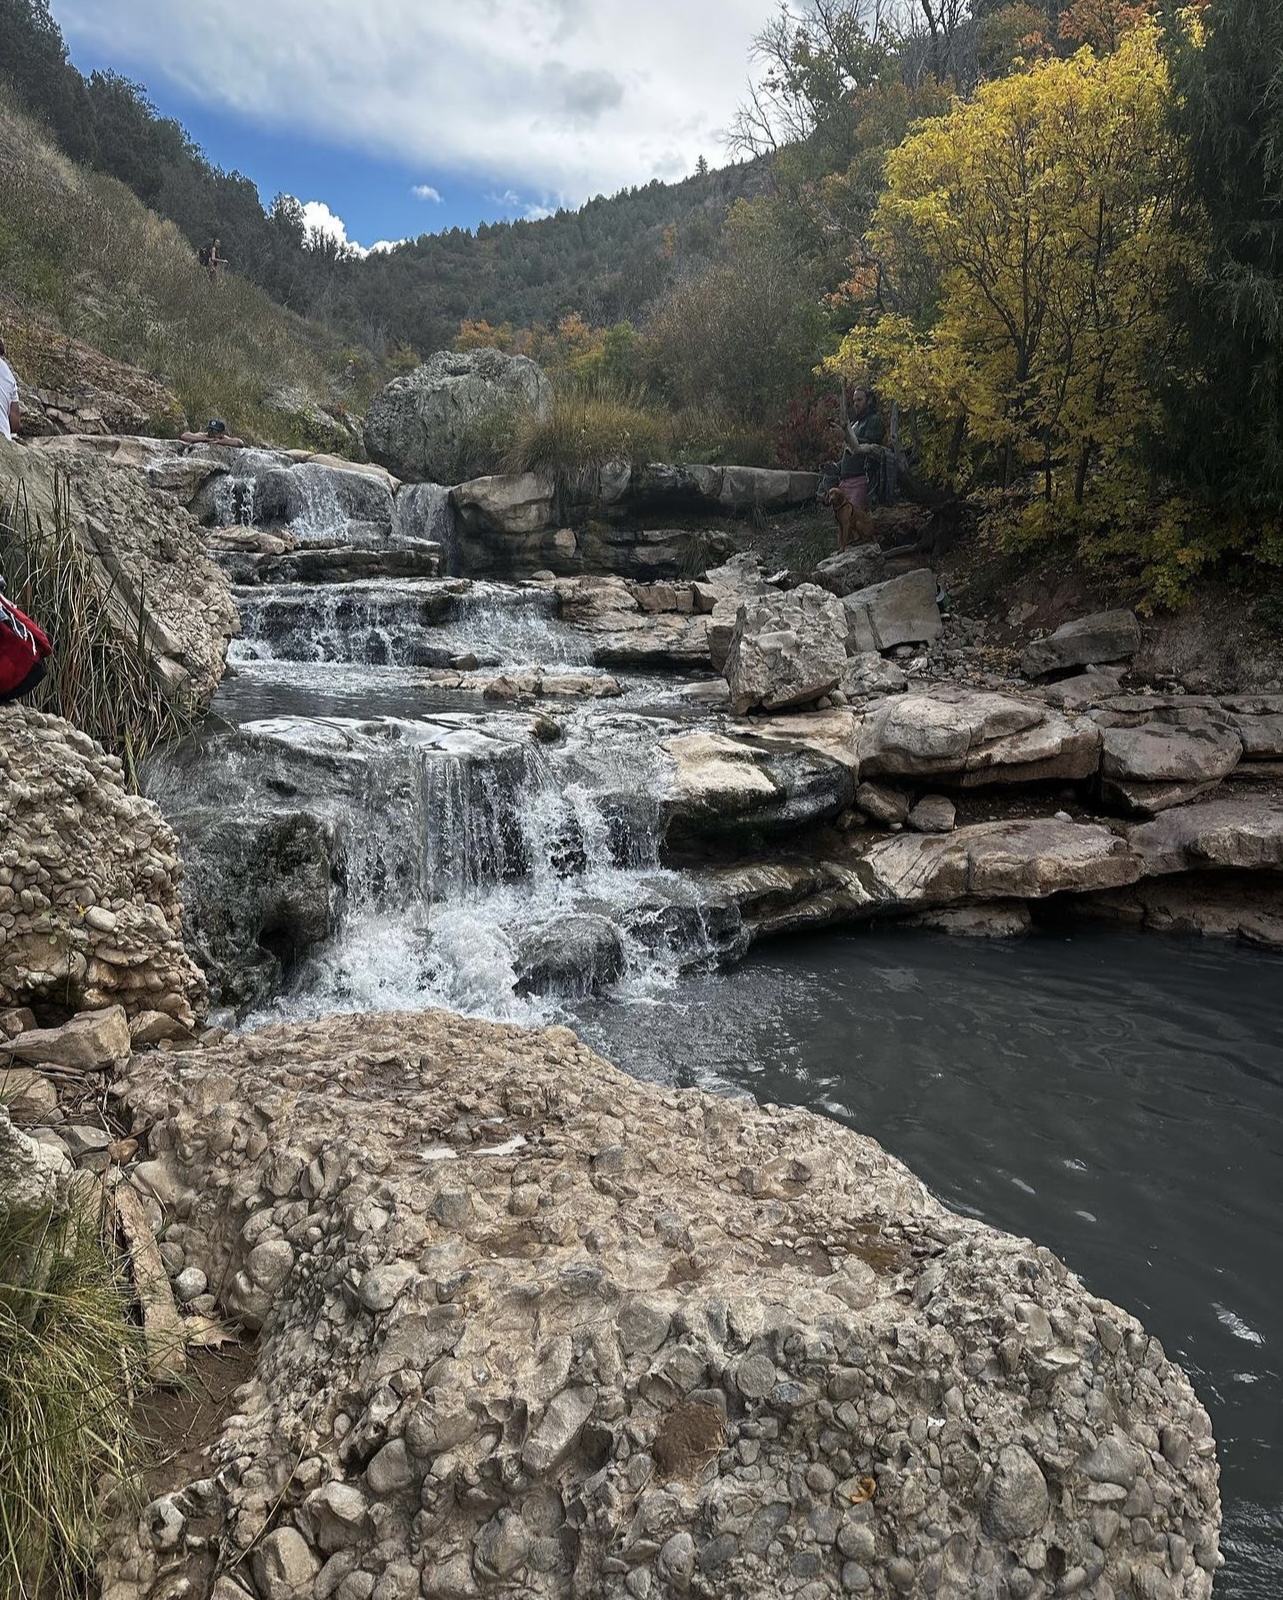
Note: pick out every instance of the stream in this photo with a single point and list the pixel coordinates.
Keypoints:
(1116, 1097)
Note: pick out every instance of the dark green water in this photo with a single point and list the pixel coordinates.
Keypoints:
(1118, 1098)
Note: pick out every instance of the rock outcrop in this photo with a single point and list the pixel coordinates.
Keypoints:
(1087, 641)
(89, 906)
(786, 650)
(150, 555)
(899, 610)
(425, 426)
(530, 1326)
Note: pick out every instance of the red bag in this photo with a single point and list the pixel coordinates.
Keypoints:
(23, 649)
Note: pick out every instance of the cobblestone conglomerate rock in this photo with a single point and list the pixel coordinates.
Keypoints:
(529, 1326)
(89, 908)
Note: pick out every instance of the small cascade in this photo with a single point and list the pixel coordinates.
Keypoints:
(488, 877)
(377, 622)
(518, 627)
(317, 513)
(424, 511)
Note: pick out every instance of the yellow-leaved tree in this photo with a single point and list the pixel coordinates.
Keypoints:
(1027, 250)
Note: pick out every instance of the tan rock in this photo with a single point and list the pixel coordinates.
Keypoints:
(94, 1041)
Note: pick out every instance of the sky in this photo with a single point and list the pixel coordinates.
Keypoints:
(401, 117)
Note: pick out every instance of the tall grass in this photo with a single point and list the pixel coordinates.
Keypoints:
(68, 1358)
(80, 248)
(99, 676)
(594, 421)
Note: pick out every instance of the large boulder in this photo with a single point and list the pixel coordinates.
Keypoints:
(1241, 834)
(851, 570)
(901, 610)
(446, 420)
(1174, 755)
(1087, 641)
(90, 915)
(530, 1326)
(722, 788)
(787, 650)
(975, 739)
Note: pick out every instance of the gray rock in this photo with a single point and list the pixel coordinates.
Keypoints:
(868, 675)
(1018, 1502)
(284, 1566)
(390, 1470)
(851, 570)
(558, 1429)
(29, 1096)
(1220, 833)
(1158, 764)
(1087, 641)
(34, 1177)
(501, 1546)
(576, 955)
(934, 813)
(901, 610)
(94, 1041)
(676, 1563)
(1114, 1460)
(786, 650)
(189, 1283)
(432, 424)
(882, 803)
(84, 1140)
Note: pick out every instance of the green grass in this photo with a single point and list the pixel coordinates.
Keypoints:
(79, 250)
(68, 1358)
(99, 676)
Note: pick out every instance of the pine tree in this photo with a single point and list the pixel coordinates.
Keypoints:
(1226, 426)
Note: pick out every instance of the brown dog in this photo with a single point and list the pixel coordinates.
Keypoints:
(854, 527)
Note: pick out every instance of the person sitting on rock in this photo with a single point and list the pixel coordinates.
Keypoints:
(863, 438)
(10, 411)
(215, 433)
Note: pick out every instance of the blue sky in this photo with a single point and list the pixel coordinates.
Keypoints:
(417, 115)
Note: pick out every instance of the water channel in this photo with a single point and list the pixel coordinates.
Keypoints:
(1116, 1097)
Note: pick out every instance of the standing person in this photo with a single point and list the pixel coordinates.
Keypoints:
(862, 440)
(210, 259)
(10, 411)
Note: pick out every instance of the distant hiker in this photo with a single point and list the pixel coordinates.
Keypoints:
(215, 433)
(10, 411)
(23, 649)
(861, 456)
(210, 259)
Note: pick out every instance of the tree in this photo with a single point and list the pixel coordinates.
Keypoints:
(1027, 244)
(1229, 80)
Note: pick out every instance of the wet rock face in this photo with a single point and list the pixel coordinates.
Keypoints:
(422, 426)
(89, 905)
(530, 1326)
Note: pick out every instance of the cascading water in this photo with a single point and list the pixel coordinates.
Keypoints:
(425, 511)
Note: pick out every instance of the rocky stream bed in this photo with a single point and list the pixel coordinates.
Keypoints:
(525, 1325)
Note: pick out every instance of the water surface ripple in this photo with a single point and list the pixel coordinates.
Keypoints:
(1118, 1098)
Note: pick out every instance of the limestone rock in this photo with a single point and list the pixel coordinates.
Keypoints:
(520, 503)
(34, 1176)
(900, 610)
(850, 570)
(1244, 834)
(786, 650)
(975, 738)
(94, 1041)
(1258, 721)
(1087, 641)
(72, 839)
(423, 426)
(882, 803)
(576, 955)
(934, 813)
(682, 1327)
(722, 787)
(1157, 764)
(868, 676)
(997, 861)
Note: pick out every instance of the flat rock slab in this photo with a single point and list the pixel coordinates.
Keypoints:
(848, 571)
(975, 738)
(1220, 833)
(902, 610)
(506, 1292)
(1087, 641)
(995, 861)
(1161, 764)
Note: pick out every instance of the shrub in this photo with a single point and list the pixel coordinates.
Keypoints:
(68, 1358)
(588, 424)
(805, 437)
(100, 674)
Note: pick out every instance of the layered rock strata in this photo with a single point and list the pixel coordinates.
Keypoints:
(530, 1326)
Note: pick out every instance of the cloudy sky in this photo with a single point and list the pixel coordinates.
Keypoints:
(406, 116)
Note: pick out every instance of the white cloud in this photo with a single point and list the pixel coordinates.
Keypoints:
(425, 191)
(557, 98)
(317, 215)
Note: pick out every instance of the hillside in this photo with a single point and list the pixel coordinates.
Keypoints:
(83, 258)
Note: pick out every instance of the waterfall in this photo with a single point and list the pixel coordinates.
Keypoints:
(425, 511)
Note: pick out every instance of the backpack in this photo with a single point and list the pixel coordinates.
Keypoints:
(23, 649)
(204, 254)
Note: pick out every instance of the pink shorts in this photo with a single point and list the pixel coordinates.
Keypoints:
(856, 490)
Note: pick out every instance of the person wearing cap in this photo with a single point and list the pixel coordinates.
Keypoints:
(10, 411)
(215, 433)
